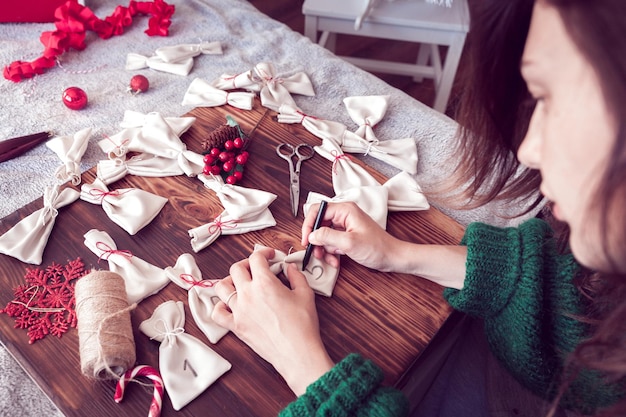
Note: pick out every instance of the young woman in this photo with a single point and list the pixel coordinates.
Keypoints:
(555, 325)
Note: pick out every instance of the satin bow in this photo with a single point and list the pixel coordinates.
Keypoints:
(399, 193)
(366, 112)
(226, 224)
(276, 90)
(142, 165)
(70, 149)
(117, 145)
(345, 174)
(245, 210)
(136, 61)
(238, 201)
(289, 113)
(176, 53)
(202, 94)
(399, 153)
(27, 240)
(235, 81)
(155, 137)
(130, 208)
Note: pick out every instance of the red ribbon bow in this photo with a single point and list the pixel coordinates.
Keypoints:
(191, 280)
(72, 20)
(337, 157)
(107, 251)
(218, 224)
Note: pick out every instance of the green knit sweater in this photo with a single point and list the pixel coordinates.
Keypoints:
(352, 388)
(524, 290)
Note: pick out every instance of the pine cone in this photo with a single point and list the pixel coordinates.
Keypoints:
(219, 136)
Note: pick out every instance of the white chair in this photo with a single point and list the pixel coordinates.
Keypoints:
(407, 20)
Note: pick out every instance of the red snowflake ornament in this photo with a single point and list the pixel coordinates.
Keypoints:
(45, 304)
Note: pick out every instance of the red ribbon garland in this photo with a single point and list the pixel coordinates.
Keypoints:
(72, 20)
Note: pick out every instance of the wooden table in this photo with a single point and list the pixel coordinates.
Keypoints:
(389, 318)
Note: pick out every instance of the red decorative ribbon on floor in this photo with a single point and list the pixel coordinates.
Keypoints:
(73, 20)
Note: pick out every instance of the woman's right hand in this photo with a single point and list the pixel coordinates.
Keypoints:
(348, 230)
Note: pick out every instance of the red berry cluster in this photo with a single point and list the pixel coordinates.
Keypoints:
(227, 161)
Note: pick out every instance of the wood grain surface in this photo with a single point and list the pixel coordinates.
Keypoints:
(389, 318)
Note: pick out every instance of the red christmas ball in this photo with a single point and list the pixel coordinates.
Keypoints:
(75, 98)
(139, 84)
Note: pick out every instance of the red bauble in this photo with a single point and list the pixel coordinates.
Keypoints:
(75, 98)
(139, 84)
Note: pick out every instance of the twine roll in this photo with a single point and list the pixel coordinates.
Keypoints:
(105, 334)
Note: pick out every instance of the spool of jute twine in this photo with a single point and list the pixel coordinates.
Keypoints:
(105, 334)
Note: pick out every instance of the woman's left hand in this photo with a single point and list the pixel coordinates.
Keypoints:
(279, 323)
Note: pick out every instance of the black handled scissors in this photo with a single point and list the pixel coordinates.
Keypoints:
(302, 152)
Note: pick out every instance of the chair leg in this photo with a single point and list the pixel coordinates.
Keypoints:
(310, 28)
(444, 86)
(423, 55)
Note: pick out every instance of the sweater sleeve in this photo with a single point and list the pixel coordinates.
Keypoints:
(524, 289)
(351, 388)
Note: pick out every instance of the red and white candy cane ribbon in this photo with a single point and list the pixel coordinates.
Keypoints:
(150, 373)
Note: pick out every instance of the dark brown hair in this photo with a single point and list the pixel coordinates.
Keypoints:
(494, 111)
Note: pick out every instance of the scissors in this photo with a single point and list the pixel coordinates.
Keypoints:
(294, 174)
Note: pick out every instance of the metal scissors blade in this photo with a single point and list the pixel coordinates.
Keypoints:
(287, 152)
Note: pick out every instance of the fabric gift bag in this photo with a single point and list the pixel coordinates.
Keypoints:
(320, 276)
(276, 90)
(130, 208)
(226, 224)
(188, 366)
(143, 165)
(200, 294)
(27, 240)
(70, 149)
(140, 277)
(202, 94)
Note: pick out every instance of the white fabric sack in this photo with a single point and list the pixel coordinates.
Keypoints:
(179, 125)
(201, 295)
(277, 90)
(70, 149)
(27, 240)
(346, 174)
(226, 224)
(136, 62)
(117, 145)
(239, 202)
(399, 193)
(371, 199)
(177, 53)
(141, 165)
(130, 208)
(399, 153)
(141, 278)
(155, 137)
(202, 94)
(323, 129)
(320, 276)
(235, 81)
(366, 112)
(188, 366)
(405, 194)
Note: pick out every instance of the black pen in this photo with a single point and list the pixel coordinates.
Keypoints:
(316, 225)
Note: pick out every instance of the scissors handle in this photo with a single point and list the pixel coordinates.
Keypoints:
(294, 173)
